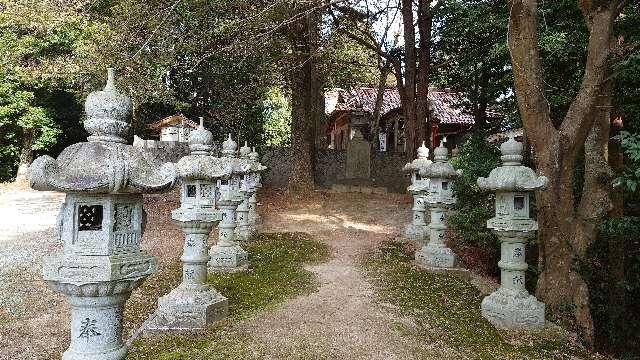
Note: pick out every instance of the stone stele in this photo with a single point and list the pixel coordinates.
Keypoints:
(227, 255)
(511, 306)
(439, 198)
(418, 229)
(100, 223)
(194, 305)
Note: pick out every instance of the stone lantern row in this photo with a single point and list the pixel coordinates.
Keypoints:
(511, 306)
(102, 221)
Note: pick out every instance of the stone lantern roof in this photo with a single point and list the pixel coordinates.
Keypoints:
(245, 151)
(512, 176)
(440, 168)
(421, 162)
(105, 164)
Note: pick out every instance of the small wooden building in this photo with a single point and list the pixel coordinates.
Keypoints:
(174, 128)
(447, 119)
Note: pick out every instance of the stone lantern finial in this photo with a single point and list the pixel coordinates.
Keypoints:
(229, 147)
(200, 140)
(440, 154)
(254, 154)
(423, 151)
(108, 112)
(511, 152)
(245, 151)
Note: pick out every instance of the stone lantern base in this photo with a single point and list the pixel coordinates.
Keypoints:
(187, 308)
(513, 309)
(436, 256)
(228, 259)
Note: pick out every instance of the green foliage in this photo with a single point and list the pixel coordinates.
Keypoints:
(472, 57)
(276, 275)
(446, 310)
(630, 179)
(474, 207)
(277, 124)
(613, 276)
(39, 46)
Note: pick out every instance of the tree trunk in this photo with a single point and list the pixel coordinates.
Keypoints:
(26, 155)
(304, 108)
(565, 232)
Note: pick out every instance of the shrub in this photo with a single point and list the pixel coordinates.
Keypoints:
(476, 244)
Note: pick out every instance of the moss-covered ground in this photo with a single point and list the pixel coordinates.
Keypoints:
(445, 309)
(277, 274)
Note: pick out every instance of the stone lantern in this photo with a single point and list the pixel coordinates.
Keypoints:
(439, 198)
(194, 304)
(227, 255)
(100, 223)
(248, 188)
(418, 229)
(254, 217)
(511, 306)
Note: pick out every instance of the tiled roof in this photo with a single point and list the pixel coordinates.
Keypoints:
(443, 103)
(173, 120)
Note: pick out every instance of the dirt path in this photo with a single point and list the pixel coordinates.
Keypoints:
(341, 320)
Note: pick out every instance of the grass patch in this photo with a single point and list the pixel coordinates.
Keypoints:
(276, 275)
(446, 309)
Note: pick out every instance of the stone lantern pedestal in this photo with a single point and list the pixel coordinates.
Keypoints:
(227, 255)
(418, 229)
(439, 198)
(100, 224)
(511, 306)
(193, 305)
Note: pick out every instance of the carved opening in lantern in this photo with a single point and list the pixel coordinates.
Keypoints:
(191, 191)
(518, 202)
(445, 185)
(89, 217)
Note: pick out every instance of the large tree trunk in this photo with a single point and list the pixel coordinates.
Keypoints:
(566, 232)
(305, 106)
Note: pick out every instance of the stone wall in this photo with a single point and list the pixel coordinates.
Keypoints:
(386, 169)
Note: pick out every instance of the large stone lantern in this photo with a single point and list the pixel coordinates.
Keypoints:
(418, 229)
(100, 223)
(248, 188)
(439, 198)
(194, 304)
(254, 217)
(227, 255)
(511, 306)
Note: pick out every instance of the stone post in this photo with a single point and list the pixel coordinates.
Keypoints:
(100, 224)
(193, 304)
(417, 230)
(511, 306)
(227, 255)
(440, 198)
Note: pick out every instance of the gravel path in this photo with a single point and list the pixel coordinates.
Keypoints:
(341, 320)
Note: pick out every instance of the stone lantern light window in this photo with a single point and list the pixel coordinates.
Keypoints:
(89, 217)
